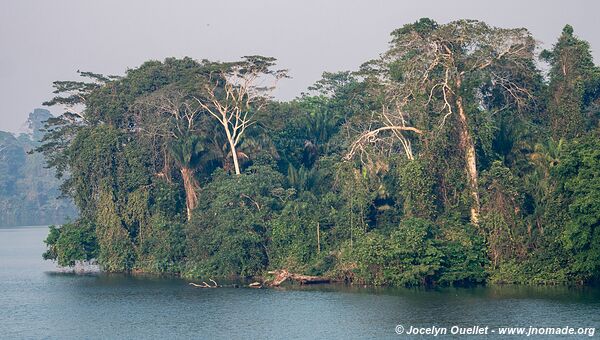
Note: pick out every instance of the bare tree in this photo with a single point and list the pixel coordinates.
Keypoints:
(393, 127)
(235, 92)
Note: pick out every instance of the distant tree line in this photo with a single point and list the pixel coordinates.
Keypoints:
(28, 190)
(451, 159)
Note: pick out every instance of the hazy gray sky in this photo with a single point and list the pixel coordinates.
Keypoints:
(42, 41)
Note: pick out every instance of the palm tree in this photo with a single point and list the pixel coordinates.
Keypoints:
(544, 157)
(187, 151)
(546, 154)
(320, 124)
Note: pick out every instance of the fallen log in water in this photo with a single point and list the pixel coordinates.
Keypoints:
(283, 275)
(307, 279)
(205, 285)
(280, 276)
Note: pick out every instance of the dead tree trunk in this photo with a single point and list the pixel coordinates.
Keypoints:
(283, 275)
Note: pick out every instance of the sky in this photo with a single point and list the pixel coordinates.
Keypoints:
(43, 41)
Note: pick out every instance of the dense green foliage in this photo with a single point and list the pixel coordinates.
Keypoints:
(450, 160)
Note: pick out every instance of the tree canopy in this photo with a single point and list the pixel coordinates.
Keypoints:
(450, 159)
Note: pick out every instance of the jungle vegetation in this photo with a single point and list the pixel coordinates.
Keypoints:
(461, 155)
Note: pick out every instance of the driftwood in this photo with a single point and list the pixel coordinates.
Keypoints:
(280, 277)
(216, 285)
(283, 275)
(255, 285)
(205, 285)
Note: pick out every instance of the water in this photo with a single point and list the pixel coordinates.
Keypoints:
(36, 301)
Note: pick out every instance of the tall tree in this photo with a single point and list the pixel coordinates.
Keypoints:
(234, 93)
(187, 152)
(573, 84)
(439, 75)
(170, 119)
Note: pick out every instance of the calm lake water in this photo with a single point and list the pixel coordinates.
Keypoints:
(36, 301)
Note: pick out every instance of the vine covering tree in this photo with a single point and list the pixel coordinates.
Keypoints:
(450, 159)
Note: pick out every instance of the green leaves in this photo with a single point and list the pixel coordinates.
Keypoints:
(116, 249)
(71, 243)
(573, 85)
(422, 26)
(187, 150)
(228, 235)
(578, 176)
(448, 117)
(418, 252)
(415, 189)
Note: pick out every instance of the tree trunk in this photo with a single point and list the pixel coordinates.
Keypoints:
(283, 275)
(190, 185)
(318, 238)
(234, 155)
(466, 143)
(236, 163)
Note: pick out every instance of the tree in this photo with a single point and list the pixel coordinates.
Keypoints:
(228, 236)
(71, 243)
(232, 95)
(170, 119)
(446, 174)
(434, 75)
(573, 84)
(187, 152)
(578, 179)
(61, 130)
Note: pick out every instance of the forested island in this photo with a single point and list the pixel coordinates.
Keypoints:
(462, 155)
